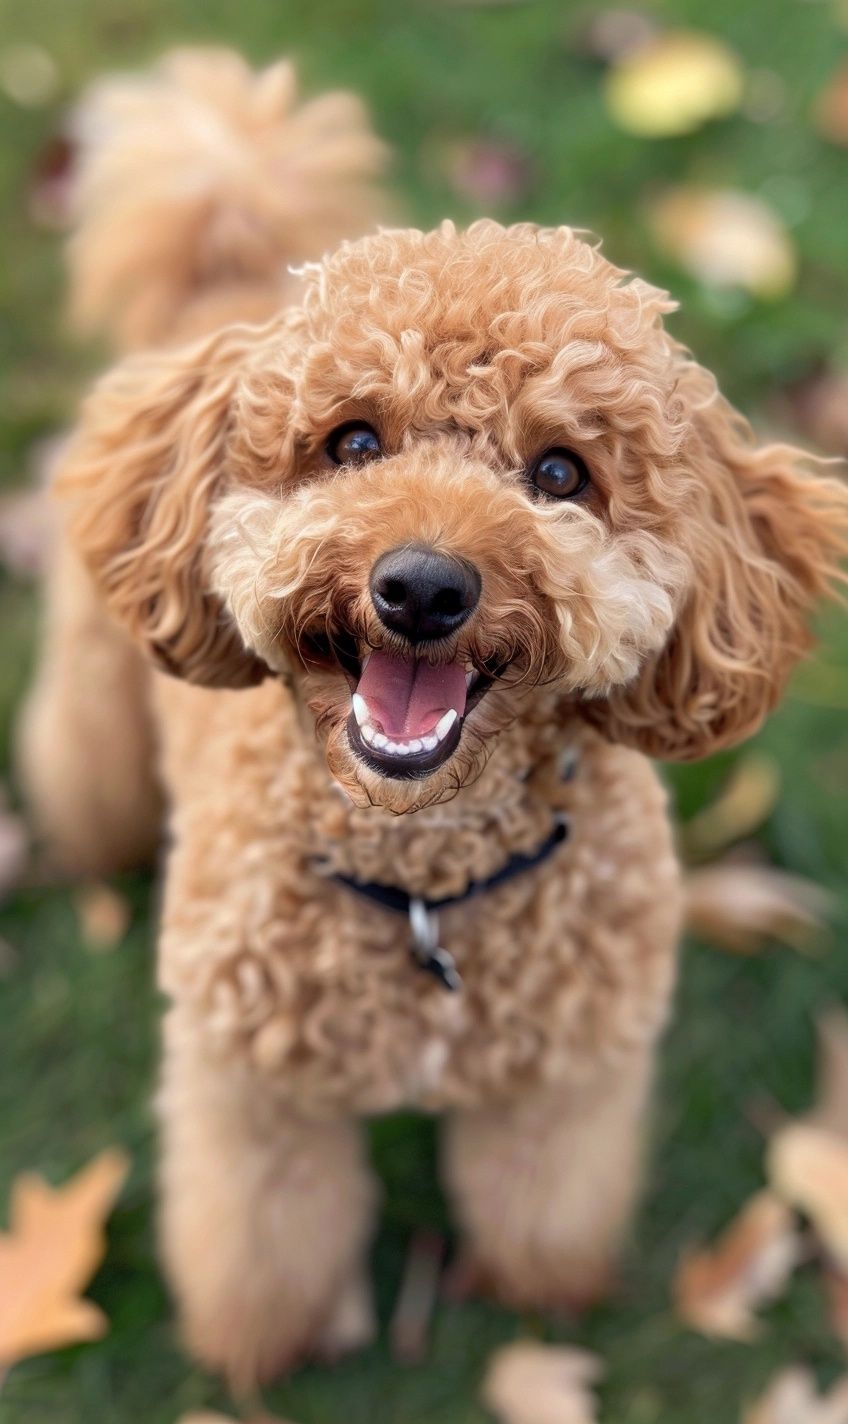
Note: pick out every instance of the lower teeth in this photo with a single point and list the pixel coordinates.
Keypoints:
(374, 738)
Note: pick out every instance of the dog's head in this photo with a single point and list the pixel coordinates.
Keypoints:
(470, 468)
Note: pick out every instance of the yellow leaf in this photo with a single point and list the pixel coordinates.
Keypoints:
(716, 1290)
(831, 109)
(744, 802)
(52, 1249)
(808, 1168)
(792, 1398)
(674, 84)
(740, 907)
(529, 1383)
(725, 238)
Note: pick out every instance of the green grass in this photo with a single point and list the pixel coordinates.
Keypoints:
(78, 1030)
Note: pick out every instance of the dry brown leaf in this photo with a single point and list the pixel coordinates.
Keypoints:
(830, 113)
(725, 238)
(14, 848)
(745, 801)
(530, 1383)
(792, 1398)
(808, 1168)
(612, 34)
(836, 1296)
(831, 1105)
(716, 1290)
(24, 532)
(52, 1249)
(741, 907)
(819, 406)
(104, 916)
(674, 84)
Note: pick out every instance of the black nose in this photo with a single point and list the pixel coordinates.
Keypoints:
(423, 594)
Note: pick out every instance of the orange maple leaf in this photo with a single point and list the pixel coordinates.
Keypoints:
(54, 1244)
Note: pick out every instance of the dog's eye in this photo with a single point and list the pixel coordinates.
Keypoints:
(354, 444)
(560, 474)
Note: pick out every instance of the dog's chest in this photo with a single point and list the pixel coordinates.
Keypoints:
(564, 964)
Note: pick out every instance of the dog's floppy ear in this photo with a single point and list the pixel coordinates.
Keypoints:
(764, 535)
(139, 477)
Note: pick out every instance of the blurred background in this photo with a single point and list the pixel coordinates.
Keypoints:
(709, 147)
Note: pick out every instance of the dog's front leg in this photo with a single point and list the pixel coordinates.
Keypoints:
(544, 1188)
(265, 1218)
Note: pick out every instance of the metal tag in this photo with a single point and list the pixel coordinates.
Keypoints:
(425, 948)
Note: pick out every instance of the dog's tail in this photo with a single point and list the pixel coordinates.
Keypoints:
(197, 183)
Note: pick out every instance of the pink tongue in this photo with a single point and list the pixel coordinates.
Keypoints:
(408, 697)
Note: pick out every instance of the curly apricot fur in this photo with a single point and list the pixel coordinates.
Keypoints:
(659, 613)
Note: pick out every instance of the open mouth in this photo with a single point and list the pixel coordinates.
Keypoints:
(407, 714)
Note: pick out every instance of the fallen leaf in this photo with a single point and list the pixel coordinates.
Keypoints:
(674, 84)
(741, 907)
(490, 173)
(54, 1244)
(717, 1289)
(808, 1168)
(530, 1383)
(836, 1296)
(792, 1398)
(14, 848)
(725, 238)
(745, 801)
(819, 405)
(830, 112)
(104, 916)
(413, 1312)
(24, 528)
(612, 34)
(51, 184)
(830, 1110)
(28, 75)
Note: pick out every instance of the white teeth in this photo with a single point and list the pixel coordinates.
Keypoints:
(469, 678)
(371, 734)
(444, 724)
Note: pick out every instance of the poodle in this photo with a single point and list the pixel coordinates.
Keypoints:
(387, 574)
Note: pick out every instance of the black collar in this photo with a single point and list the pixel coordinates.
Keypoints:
(423, 911)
